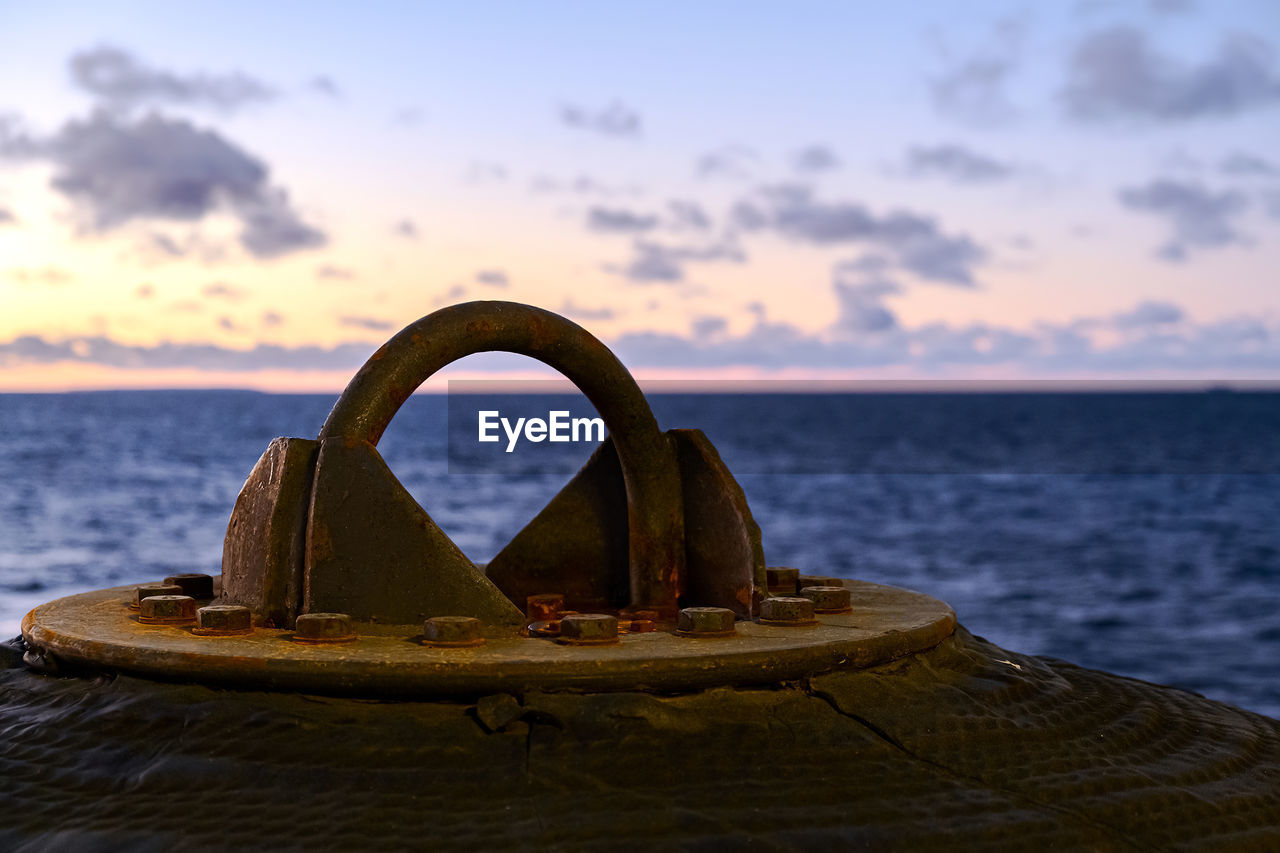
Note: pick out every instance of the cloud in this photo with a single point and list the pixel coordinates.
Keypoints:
(709, 327)
(1116, 75)
(405, 228)
(158, 168)
(372, 324)
(271, 319)
(730, 161)
(322, 84)
(118, 78)
(331, 272)
(7, 217)
(915, 241)
(1147, 314)
(222, 290)
(616, 119)
(815, 158)
(493, 278)
(685, 215)
(955, 163)
(1243, 164)
(1197, 218)
(486, 173)
(581, 185)
(144, 291)
(50, 276)
(860, 289)
(659, 263)
(571, 309)
(971, 89)
(1171, 7)
(1223, 346)
(619, 221)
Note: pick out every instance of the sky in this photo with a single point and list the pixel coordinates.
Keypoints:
(258, 195)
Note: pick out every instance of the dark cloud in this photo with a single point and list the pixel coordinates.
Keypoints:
(815, 158)
(121, 170)
(1116, 75)
(331, 272)
(493, 278)
(271, 319)
(46, 276)
(110, 353)
(1243, 164)
(580, 312)
(405, 228)
(658, 263)
(619, 221)
(709, 327)
(684, 215)
(616, 119)
(1197, 217)
(955, 163)
(118, 78)
(222, 290)
(730, 161)
(914, 241)
(1147, 314)
(971, 88)
(372, 324)
(1230, 344)
(7, 217)
(862, 309)
(227, 324)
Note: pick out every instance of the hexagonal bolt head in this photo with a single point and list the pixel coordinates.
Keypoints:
(150, 589)
(323, 628)
(705, 622)
(782, 580)
(787, 610)
(167, 610)
(588, 629)
(194, 585)
(828, 599)
(816, 580)
(452, 631)
(224, 619)
(544, 608)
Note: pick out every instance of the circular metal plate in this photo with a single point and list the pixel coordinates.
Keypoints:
(97, 630)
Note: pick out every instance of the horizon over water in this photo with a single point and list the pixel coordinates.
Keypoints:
(1131, 532)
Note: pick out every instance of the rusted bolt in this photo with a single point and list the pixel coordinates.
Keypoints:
(588, 629)
(782, 580)
(828, 599)
(194, 585)
(816, 580)
(787, 610)
(149, 589)
(705, 622)
(452, 631)
(223, 620)
(323, 628)
(167, 610)
(545, 607)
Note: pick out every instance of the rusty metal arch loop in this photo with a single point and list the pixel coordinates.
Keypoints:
(655, 514)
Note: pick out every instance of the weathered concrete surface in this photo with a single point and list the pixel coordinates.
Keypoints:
(963, 747)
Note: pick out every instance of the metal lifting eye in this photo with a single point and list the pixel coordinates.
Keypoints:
(652, 519)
